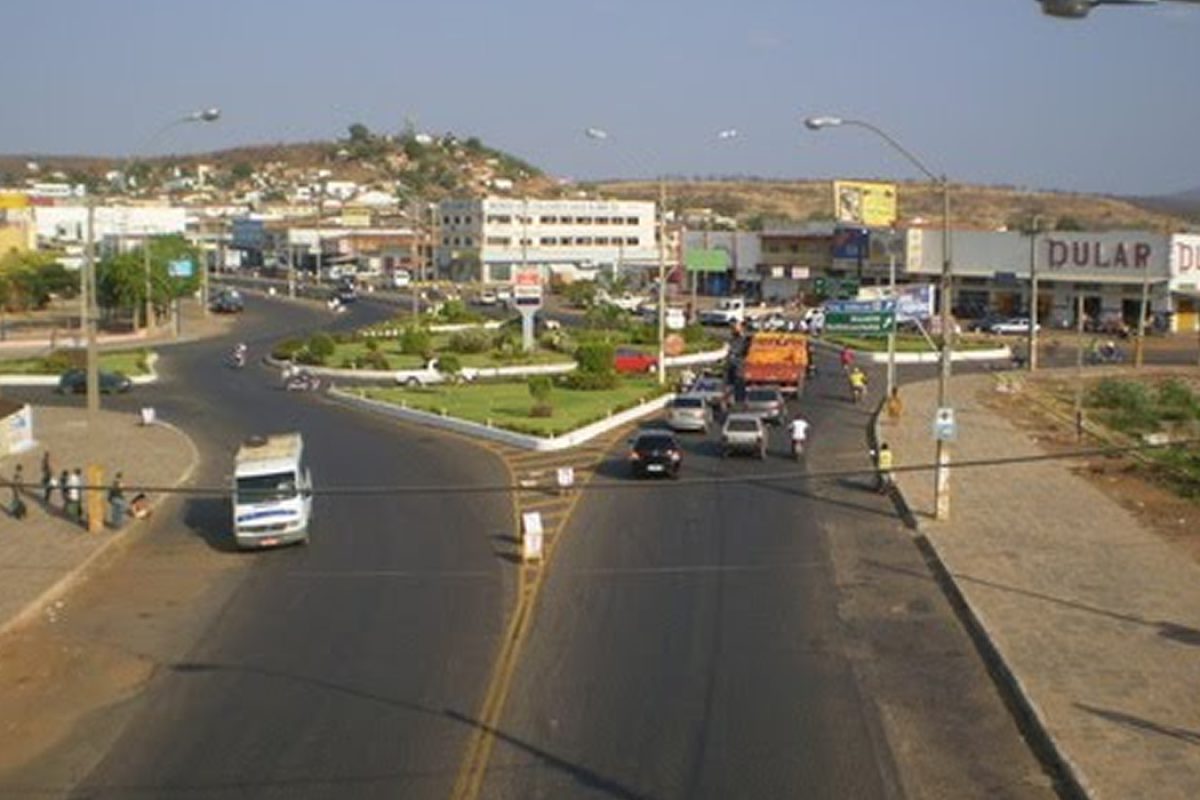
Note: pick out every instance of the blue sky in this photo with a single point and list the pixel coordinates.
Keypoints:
(988, 91)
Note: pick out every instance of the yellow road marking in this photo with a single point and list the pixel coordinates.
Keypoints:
(469, 782)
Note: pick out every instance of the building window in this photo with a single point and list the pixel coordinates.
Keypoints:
(466, 220)
(632, 220)
(602, 240)
(549, 220)
(601, 220)
(499, 219)
(566, 220)
(583, 220)
(631, 240)
(445, 241)
(467, 241)
(549, 240)
(446, 221)
(499, 241)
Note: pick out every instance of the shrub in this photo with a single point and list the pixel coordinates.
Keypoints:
(287, 349)
(63, 360)
(372, 345)
(1177, 396)
(374, 359)
(542, 410)
(694, 334)
(595, 358)
(1120, 395)
(321, 345)
(449, 365)
(581, 294)
(644, 333)
(472, 341)
(591, 381)
(540, 388)
(416, 341)
(456, 311)
(308, 358)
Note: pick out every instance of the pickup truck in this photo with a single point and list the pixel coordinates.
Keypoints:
(734, 310)
(430, 374)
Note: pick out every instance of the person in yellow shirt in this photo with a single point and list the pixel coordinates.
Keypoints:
(883, 468)
(858, 384)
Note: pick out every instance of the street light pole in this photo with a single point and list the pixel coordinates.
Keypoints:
(942, 472)
(1034, 229)
(203, 115)
(599, 134)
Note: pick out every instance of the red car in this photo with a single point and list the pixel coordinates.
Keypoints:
(629, 360)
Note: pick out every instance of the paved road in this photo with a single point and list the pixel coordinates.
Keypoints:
(344, 668)
(751, 639)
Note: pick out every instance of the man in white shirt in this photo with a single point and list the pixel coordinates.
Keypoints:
(799, 435)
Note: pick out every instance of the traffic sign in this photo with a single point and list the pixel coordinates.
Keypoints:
(945, 427)
(869, 323)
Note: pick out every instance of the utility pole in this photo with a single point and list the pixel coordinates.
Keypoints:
(1034, 228)
(1079, 367)
(146, 272)
(413, 249)
(662, 278)
(891, 362)
(88, 299)
(1139, 351)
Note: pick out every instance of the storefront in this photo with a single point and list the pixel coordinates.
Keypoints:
(992, 272)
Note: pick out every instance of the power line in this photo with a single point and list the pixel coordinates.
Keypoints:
(619, 485)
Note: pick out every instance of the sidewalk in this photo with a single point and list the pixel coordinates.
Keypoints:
(44, 554)
(1096, 618)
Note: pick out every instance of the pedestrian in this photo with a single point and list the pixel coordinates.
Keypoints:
(116, 502)
(63, 480)
(16, 506)
(895, 406)
(74, 493)
(47, 478)
(883, 468)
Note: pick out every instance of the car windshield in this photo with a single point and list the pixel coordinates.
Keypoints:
(707, 385)
(762, 396)
(654, 442)
(688, 402)
(266, 488)
(742, 425)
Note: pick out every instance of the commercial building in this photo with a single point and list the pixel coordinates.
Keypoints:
(485, 239)
(992, 271)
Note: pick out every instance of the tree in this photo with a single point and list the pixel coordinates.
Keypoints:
(359, 133)
(1068, 224)
(28, 279)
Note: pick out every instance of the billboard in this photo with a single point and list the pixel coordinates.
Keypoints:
(180, 268)
(853, 244)
(864, 203)
(710, 260)
(913, 302)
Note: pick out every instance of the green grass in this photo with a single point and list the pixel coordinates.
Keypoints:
(130, 362)
(508, 405)
(905, 343)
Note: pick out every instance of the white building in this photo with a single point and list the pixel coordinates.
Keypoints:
(992, 271)
(484, 239)
(64, 224)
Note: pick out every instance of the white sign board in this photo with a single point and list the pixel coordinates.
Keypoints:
(531, 536)
(945, 428)
(566, 477)
(17, 431)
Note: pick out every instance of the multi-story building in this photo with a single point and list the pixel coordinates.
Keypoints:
(485, 239)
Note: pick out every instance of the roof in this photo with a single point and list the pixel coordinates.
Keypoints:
(277, 447)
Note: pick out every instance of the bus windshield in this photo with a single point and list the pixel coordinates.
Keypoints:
(266, 488)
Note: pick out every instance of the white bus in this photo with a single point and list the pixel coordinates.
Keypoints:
(272, 492)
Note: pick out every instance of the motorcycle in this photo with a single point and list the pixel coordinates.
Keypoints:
(302, 382)
(237, 359)
(797, 449)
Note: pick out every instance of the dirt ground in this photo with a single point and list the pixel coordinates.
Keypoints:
(1133, 484)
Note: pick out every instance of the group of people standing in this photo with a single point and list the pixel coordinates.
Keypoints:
(67, 487)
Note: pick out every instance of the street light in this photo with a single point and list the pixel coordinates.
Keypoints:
(201, 115)
(599, 134)
(942, 472)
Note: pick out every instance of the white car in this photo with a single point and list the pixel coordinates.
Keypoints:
(625, 302)
(1011, 327)
(401, 279)
(430, 374)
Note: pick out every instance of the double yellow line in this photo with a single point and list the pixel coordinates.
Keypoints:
(479, 749)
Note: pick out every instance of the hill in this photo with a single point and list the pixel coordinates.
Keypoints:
(414, 165)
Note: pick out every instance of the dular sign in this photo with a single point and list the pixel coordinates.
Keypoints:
(863, 203)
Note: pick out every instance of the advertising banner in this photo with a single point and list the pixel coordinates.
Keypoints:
(852, 244)
(864, 203)
(711, 260)
(912, 302)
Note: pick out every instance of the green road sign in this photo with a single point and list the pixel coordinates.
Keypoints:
(840, 288)
(871, 323)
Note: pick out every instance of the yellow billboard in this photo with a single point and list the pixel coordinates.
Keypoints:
(14, 200)
(863, 203)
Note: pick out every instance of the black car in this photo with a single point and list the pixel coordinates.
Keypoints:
(74, 381)
(655, 453)
(347, 294)
(228, 301)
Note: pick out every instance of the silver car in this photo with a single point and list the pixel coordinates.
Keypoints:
(689, 412)
(743, 433)
(767, 402)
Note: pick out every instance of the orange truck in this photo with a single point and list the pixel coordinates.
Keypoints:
(778, 359)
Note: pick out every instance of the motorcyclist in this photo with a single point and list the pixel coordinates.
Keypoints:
(239, 354)
(799, 431)
(847, 358)
(858, 384)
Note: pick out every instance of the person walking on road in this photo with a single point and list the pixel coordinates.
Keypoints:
(16, 506)
(63, 479)
(883, 468)
(858, 385)
(847, 359)
(116, 502)
(47, 478)
(74, 493)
